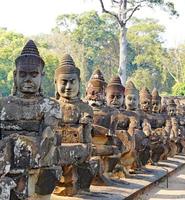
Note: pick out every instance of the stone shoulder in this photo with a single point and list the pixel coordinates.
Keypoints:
(51, 106)
(85, 107)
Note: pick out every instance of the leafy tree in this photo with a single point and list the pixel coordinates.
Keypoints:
(178, 89)
(125, 9)
(145, 77)
(94, 39)
(10, 46)
(174, 63)
(144, 37)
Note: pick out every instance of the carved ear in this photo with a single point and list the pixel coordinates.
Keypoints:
(14, 89)
(43, 73)
(57, 96)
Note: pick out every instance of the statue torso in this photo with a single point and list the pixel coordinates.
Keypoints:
(26, 116)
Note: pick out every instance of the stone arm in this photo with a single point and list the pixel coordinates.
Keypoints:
(113, 124)
(48, 144)
(86, 120)
(52, 116)
(123, 121)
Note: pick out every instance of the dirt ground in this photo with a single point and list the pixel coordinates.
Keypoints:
(175, 190)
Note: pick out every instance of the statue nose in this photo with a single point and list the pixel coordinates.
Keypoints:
(68, 85)
(115, 98)
(28, 80)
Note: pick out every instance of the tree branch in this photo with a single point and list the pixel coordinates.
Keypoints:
(176, 80)
(133, 11)
(109, 12)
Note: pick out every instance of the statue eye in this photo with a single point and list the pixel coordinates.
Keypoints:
(63, 82)
(73, 81)
(34, 74)
(22, 74)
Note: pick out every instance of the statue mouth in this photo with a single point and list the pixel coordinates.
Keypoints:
(68, 92)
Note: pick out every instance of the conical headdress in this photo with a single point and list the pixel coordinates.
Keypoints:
(130, 89)
(67, 66)
(116, 83)
(30, 56)
(155, 95)
(144, 93)
(97, 80)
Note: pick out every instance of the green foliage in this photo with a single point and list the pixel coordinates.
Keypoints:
(10, 44)
(144, 37)
(94, 40)
(178, 89)
(145, 77)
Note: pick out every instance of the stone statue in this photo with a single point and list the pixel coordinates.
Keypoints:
(175, 120)
(131, 97)
(74, 132)
(150, 109)
(156, 101)
(28, 152)
(104, 126)
(171, 108)
(145, 100)
(125, 127)
(141, 140)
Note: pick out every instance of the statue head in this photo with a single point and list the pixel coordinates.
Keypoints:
(171, 108)
(163, 105)
(67, 79)
(131, 96)
(29, 72)
(145, 100)
(156, 101)
(115, 93)
(95, 91)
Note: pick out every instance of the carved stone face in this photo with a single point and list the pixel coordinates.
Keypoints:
(114, 98)
(156, 106)
(95, 96)
(131, 102)
(28, 81)
(171, 110)
(68, 85)
(146, 105)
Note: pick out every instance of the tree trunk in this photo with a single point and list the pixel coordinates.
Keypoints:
(123, 54)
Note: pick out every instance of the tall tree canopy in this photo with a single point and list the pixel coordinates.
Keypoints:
(123, 11)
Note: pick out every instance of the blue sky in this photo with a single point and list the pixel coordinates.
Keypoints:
(38, 16)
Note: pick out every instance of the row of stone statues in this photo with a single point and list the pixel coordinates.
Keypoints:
(64, 145)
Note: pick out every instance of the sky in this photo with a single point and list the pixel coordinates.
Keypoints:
(31, 17)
